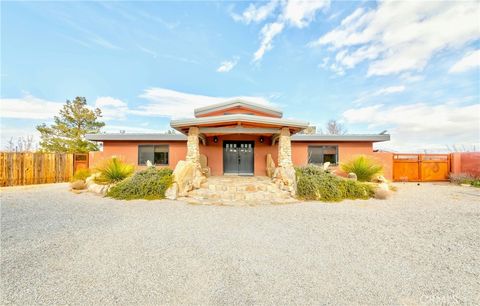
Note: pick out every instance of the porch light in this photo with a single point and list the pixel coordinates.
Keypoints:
(261, 139)
(215, 139)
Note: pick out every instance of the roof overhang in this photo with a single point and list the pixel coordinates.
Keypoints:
(341, 138)
(136, 136)
(238, 120)
(238, 103)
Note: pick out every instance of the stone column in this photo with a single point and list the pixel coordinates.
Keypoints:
(285, 173)
(193, 149)
(285, 149)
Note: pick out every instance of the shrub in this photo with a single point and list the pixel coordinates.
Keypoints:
(112, 171)
(78, 185)
(323, 186)
(148, 184)
(464, 178)
(309, 169)
(81, 175)
(364, 167)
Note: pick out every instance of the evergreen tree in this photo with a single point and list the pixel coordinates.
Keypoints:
(67, 134)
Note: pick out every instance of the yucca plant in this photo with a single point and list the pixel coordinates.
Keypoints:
(364, 167)
(113, 170)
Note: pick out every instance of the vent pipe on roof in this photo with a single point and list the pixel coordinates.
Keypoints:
(383, 132)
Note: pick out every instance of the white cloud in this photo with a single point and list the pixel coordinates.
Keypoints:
(421, 125)
(28, 107)
(112, 109)
(471, 60)
(269, 31)
(170, 103)
(257, 13)
(381, 92)
(402, 36)
(226, 66)
(295, 13)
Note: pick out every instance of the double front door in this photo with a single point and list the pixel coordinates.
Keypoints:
(238, 157)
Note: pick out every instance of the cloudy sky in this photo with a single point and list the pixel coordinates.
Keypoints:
(409, 67)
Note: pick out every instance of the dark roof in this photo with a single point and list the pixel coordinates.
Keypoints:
(346, 137)
(181, 137)
(136, 136)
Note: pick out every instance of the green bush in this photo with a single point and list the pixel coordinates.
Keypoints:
(323, 186)
(364, 167)
(113, 170)
(81, 175)
(148, 184)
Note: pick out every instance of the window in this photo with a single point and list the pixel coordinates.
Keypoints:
(322, 154)
(156, 154)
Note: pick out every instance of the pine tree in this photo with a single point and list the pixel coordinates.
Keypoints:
(67, 134)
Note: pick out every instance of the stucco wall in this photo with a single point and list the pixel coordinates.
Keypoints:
(466, 162)
(128, 151)
(346, 150)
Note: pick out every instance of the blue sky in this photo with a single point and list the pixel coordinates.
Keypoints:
(411, 68)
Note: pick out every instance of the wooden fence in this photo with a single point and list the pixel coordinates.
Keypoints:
(421, 167)
(35, 168)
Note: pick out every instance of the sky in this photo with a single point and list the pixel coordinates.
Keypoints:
(408, 67)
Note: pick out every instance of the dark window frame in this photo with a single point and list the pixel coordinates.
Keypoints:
(323, 155)
(153, 158)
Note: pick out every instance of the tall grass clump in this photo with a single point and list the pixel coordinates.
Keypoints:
(113, 170)
(81, 175)
(148, 184)
(364, 167)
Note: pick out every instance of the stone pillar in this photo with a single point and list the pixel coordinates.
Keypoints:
(193, 148)
(285, 173)
(285, 149)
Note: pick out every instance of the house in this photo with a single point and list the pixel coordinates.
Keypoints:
(236, 136)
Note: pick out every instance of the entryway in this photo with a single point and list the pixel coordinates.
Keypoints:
(238, 157)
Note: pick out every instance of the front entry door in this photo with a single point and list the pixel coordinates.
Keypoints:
(238, 157)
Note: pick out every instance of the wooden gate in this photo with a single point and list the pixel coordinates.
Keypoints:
(421, 167)
(80, 161)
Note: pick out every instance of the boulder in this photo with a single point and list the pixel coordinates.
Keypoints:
(352, 176)
(78, 185)
(270, 166)
(325, 166)
(172, 192)
(203, 161)
(381, 179)
(287, 177)
(187, 175)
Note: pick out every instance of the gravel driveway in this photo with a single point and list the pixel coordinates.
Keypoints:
(420, 247)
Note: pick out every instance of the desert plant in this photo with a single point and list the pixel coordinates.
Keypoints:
(78, 185)
(323, 186)
(147, 184)
(81, 174)
(364, 167)
(113, 170)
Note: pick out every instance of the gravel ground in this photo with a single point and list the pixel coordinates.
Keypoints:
(422, 246)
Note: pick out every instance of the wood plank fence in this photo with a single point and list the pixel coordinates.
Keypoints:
(35, 168)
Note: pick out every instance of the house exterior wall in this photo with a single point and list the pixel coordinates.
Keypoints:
(346, 150)
(128, 151)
